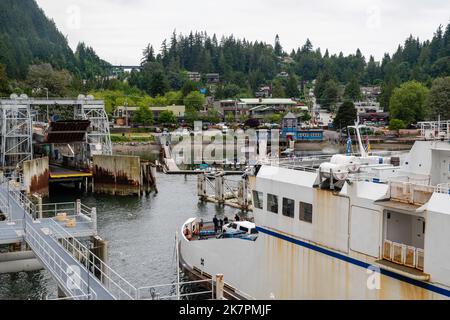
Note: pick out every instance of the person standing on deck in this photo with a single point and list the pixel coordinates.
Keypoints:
(216, 224)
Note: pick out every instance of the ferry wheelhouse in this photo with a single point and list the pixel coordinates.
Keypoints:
(343, 227)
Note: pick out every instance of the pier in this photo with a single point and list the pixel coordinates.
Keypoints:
(218, 189)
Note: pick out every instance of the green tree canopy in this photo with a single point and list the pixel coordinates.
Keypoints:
(44, 76)
(292, 87)
(213, 116)
(188, 87)
(346, 115)
(408, 103)
(192, 115)
(143, 116)
(439, 99)
(167, 117)
(4, 83)
(194, 100)
(231, 91)
(174, 98)
(154, 80)
(229, 118)
(396, 124)
(353, 90)
(278, 89)
(330, 95)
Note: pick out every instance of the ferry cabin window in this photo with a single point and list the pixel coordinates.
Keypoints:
(288, 207)
(258, 200)
(306, 212)
(272, 203)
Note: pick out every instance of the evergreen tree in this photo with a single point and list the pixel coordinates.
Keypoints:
(439, 99)
(278, 49)
(4, 83)
(292, 90)
(346, 115)
(353, 90)
(330, 95)
(278, 89)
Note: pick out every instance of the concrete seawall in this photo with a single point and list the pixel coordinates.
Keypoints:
(123, 175)
(36, 175)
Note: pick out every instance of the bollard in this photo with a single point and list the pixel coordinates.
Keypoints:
(219, 287)
(94, 219)
(78, 207)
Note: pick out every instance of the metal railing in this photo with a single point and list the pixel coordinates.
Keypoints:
(443, 188)
(67, 275)
(154, 292)
(80, 297)
(435, 130)
(24, 202)
(51, 210)
(116, 284)
(403, 254)
(307, 164)
(415, 192)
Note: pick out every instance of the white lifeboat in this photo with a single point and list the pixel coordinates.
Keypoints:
(338, 171)
(351, 163)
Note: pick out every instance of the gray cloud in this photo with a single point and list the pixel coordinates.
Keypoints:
(120, 29)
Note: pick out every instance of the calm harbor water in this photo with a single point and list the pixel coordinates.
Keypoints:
(140, 235)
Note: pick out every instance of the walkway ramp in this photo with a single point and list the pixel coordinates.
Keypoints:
(79, 273)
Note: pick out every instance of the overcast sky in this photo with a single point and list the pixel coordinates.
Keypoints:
(119, 29)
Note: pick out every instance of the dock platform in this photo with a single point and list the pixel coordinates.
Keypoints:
(58, 173)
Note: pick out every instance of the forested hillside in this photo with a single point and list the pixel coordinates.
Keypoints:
(28, 37)
(245, 65)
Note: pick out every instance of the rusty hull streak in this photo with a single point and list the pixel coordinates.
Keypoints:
(39, 183)
(105, 176)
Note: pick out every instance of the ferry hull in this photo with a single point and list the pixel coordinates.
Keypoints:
(276, 268)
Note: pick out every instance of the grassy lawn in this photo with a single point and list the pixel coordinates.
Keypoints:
(132, 137)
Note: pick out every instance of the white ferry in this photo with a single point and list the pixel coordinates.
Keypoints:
(355, 227)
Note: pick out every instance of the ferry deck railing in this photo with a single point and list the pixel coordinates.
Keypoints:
(154, 292)
(435, 130)
(308, 164)
(443, 188)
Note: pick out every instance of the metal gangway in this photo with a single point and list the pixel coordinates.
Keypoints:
(80, 274)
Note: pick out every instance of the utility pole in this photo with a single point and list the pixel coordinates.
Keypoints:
(48, 113)
(126, 111)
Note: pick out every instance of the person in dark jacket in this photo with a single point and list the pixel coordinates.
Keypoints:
(216, 224)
